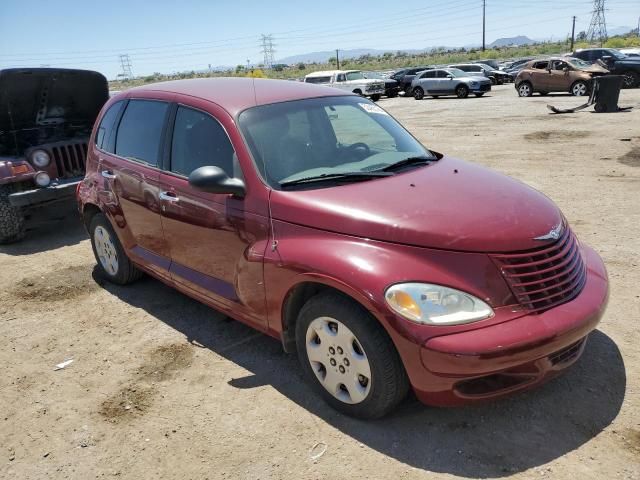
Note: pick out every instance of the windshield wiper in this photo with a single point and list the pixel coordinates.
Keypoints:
(355, 176)
(408, 161)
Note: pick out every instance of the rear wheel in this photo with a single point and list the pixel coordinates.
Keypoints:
(462, 91)
(349, 358)
(375, 98)
(113, 263)
(630, 79)
(525, 89)
(579, 89)
(418, 93)
(11, 218)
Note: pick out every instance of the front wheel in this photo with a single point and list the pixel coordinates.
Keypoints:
(113, 263)
(418, 93)
(11, 218)
(630, 79)
(375, 98)
(462, 91)
(525, 89)
(579, 89)
(349, 358)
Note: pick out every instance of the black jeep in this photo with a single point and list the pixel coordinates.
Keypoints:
(46, 117)
(616, 62)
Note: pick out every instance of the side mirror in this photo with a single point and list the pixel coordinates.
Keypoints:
(214, 180)
(450, 77)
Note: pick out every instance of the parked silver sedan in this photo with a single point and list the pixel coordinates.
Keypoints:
(448, 81)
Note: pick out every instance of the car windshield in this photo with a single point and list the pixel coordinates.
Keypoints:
(576, 62)
(617, 55)
(325, 137)
(354, 76)
(372, 75)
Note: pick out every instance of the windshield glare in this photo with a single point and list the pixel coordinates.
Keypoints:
(324, 136)
(456, 72)
(354, 76)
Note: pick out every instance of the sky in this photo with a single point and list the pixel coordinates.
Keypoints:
(169, 36)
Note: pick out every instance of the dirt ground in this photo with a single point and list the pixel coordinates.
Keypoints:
(163, 387)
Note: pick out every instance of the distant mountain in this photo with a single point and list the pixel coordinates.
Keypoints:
(508, 41)
(619, 30)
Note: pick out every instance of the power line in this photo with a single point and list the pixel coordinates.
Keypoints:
(598, 26)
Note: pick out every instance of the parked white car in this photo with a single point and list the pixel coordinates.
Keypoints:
(349, 80)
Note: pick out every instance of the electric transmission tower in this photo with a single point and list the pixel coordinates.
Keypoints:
(598, 26)
(267, 50)
(125, 63)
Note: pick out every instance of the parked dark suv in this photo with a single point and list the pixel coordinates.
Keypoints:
(405, 76)
(616, 62)
(46, 116)
(312, 215)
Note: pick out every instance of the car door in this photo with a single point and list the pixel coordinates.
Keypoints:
(538, 76)
(214, 242)
(558, 79)
(445, 84)
(130, 174)
(427, 82)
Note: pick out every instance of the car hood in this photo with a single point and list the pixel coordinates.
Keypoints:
(595, 68)
(36, 97)
(366, 81)
(451, 204)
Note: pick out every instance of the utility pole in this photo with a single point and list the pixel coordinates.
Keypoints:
(125, 63)
(573, 32)
(598, 26)
(337, 60)
(267, 50)
(484, 23)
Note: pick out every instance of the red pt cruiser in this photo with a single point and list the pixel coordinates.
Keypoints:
(314, 216)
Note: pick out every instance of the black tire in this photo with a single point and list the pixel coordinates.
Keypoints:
(389, 382)
(479, 94)
(524, 89)
(579, 89)
(392, 94)
(630, 79)
(375, 97)
(542, 94)
(126, 271)
(11, 218)
(462, 91)
(493, 80)
(418, 93)
(499, 81)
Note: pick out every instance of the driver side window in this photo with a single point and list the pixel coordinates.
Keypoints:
(341, 78)
(198, 141)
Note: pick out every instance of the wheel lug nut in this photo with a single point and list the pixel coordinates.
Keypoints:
(340, 350)
(332, 351)
(332, 362)
(341, 368)
(346, 362)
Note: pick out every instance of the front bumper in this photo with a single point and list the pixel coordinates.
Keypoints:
(482, 88)
(62, 190)
(514, 355)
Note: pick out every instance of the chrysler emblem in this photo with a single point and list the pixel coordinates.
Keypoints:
(554, 233)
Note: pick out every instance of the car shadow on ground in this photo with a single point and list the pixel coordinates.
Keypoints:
(47, 228)
(489, 440)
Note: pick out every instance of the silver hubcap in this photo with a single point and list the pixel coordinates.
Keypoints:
(106, 250)
(338, 360)
(579, 89)
(524, 90)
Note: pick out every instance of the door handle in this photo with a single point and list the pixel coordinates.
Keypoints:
(107, 174)
(168, 196)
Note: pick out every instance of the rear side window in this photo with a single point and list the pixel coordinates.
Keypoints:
(140, 131)
(317, 79)
(198, 141)
(428, 74)
(106, 126)
(541, 65)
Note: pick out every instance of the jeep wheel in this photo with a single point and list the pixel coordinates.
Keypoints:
(579, 89)
(418, 93)
(11, 218)
(630, 79)
(348, 357)
(462, 91)
(375, 97)
(525, 89)
(113, 263)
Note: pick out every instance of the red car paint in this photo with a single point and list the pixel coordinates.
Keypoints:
(248, 256)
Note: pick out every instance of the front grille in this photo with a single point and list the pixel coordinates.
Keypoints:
(69, 158)
(545, 277)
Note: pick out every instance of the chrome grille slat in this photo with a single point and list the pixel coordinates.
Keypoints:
(546, 277)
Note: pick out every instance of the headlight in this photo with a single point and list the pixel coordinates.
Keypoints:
(40, 158)
(435, 305)
(42, 179)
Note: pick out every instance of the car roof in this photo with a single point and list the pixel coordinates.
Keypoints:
(236, 94)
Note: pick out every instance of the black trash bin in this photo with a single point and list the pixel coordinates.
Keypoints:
(605, 93)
